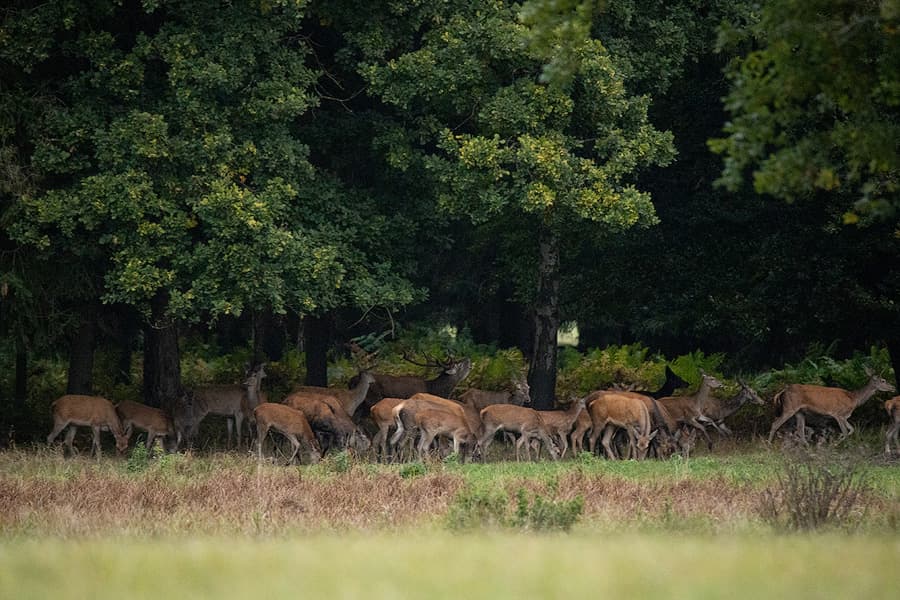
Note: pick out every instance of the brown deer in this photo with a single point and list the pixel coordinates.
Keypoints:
(419, 402)
(434, 422)
(233, 401)
(349, 399)
(688, 410)
(291, 424)
(382, 412)
(581, 428)
(478, 399)
(154, 421)
(717, 410)
(832, 402)
(525, 421)
(559, 423)
(404, 386)
(610, 410)
(892, 407)
(330, 418)
(73, 410)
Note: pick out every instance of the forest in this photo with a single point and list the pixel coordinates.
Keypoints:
(597, 228)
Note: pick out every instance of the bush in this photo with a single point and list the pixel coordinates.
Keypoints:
(339, 462)
(414, 469)
(139, 459)
(474, 508)
(816, 491)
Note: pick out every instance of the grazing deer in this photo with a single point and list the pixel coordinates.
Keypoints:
(688, 410)
(291, 424)
(95, 412)
(419, 402)
(404, 386)
(154, 421)
(527, 422)
(330, 418)
(610, 410)
(836, 403)
(559, 423)
(234, 401)
(349, 400)
(892, 407)
(717, 410)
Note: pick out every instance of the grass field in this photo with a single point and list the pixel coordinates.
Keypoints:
(221, 525)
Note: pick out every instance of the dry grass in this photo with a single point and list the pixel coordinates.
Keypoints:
(42, 494)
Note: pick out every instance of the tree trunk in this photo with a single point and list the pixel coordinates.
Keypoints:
(542, 373)
(316, 333)
(162, 367)
(81, 355)
(268, 337)
(893, 346)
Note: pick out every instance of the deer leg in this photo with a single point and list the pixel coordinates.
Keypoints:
(485, 441)
(70, 439)
(592, 441)
(844, 424)
(95, 447)
(239, 429)
(58, 426)
(425, 444)
(295, 446)
(608, 433)
(785, 415)
(699, 427)
(891, 436)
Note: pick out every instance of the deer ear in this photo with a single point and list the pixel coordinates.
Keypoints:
(653, 435)
(869, 371)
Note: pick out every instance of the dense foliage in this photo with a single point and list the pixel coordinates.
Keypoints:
(210, 183)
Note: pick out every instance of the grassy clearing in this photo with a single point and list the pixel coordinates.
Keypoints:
(440, 565)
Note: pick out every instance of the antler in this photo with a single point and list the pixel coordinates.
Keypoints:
(364, 360)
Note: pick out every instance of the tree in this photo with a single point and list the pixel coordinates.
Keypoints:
(169, 161)
(815, 119)
(473, 115)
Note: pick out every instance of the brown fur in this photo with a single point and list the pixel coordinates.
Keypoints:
(290, 423)
(88, 411)
(382, 414)
(406, 386)
(348, 399)
(559, 423)
(326, 414)
(154, 421)
(836, 403)
(434, 422)
(525, 421)
(609, 410)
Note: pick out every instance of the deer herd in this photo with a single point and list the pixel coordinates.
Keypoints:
(410, 416)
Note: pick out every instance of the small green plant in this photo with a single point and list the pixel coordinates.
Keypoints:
(452, 459)
(480, 508)
(139, 459)
(545, 514)
(816, 491)
(414, 469)
(340, 462)
(474, 508)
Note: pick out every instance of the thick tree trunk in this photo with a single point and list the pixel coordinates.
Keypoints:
(81, 355)
(316, 332)
(542, 374)
(162, 367)
(268, 337)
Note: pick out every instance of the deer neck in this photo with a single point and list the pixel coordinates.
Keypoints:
(701, 395)
(358, 394)
(864, 393)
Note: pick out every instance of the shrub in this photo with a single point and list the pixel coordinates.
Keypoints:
(816, 491)
(474, 508)
(339, 462)
(543, 514)
(139, 459)
(414, 469)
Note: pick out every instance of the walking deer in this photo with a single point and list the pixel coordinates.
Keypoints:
(434, 422)
(349, 399)
(525, 421)
(98, 413)
(688, 410)
(717, 410)
(420, 402)
(836, 403)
